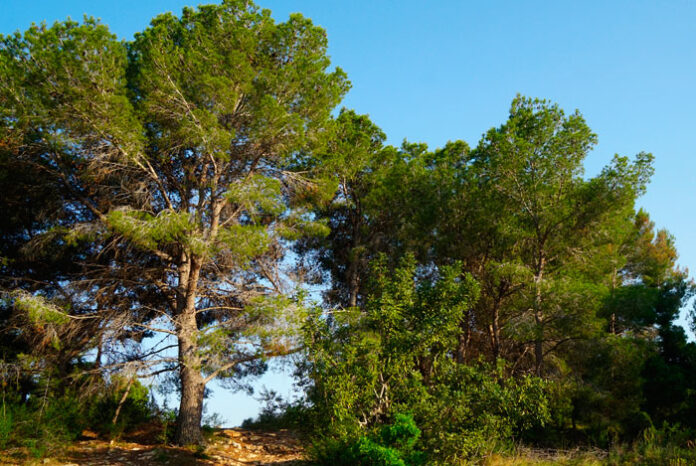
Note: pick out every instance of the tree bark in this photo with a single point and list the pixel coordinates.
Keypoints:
(188, 430)
(463, 340)
(354, 284)
(495, 339)
(494, 330)
(123, 400)
(539, 318)
(353, 268)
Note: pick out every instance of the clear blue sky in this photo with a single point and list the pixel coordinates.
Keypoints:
(443, 70)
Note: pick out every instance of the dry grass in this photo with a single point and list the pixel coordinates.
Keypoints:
(538, 457)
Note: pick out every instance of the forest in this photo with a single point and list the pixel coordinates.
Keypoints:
(189, 205)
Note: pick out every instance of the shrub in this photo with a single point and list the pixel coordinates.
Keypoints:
(136, 408)
(391, 445)
(53, 415)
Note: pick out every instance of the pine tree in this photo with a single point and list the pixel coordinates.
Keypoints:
(172, 157)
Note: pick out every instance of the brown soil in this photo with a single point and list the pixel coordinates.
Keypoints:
(225, 446)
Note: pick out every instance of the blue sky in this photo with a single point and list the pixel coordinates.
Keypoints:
(444, 70)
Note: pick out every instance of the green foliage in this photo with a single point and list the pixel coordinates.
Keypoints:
(170, 164)
(43, 426)
(257, 195)
(152, 232)
(167, 419)
(52, 416)
(244, 242)
(278, 413)
(6, 424)
(38, 310)
(366, 367)
(668, 444)
(513, 258)
(470, 411)
(496, 294)
(391, 445)
(135, 410)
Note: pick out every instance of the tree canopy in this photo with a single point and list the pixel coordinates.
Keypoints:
(167, 200)
(171, 161)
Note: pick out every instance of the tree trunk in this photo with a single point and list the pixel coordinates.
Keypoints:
(123, 400)
(354, 283)
(494, 330)
(539, 318)
(354, 267)
(188, 430)
(463, 340)
(539, 355)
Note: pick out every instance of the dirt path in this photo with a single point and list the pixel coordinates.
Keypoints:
(227, 446)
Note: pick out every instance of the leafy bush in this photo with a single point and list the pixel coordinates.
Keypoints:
(52, 416)
(470, 411)
(40, 425)
(363, 368)
(136, 408)
(278, 413)
(668, 444)
(391, 445)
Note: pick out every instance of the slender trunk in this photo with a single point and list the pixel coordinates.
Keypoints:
(464, 338)
(188, 429)
(539, 355)
(123, 400)
(354, 283)
(495, 331)
(354, 267)
(97, 359)
(539, 317)
(612, 327)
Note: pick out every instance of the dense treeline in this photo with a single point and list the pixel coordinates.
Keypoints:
(495, 293)
(474, 298)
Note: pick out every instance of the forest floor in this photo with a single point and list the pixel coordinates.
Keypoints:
(237, 446)
(224, 446)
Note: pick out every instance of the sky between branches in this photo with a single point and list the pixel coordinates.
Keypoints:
(438, 71)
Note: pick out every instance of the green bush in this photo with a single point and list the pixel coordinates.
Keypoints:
(363, 368)
(666, 445)
(391, 445)
(167, 419)
(469, 411)
(40, 425)
(53, 416)
(5, 425)
(136, 408)
(278, 413)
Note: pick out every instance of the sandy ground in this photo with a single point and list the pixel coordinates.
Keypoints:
(226, 446)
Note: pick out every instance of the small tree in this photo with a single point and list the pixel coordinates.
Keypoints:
(529, 172)
(173, 156)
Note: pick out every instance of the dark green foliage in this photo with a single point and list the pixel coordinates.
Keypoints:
(279, 414)
(169, 164)
(392, 445)
(470, 411)
(512, 259)
(51, 417)
(136, 409)
(495, 294)
(396, 356)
